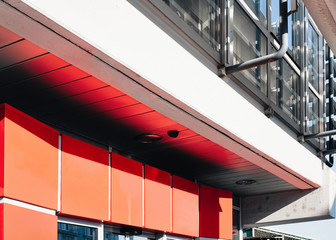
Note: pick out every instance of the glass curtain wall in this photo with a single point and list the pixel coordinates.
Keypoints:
(246, 29)
(203, 16)
(249, 43)
(313, 80)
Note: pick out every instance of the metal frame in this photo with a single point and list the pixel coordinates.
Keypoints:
(224, 58)
(190, 33)
(271, 57)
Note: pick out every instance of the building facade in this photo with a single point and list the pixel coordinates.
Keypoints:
(151, 120)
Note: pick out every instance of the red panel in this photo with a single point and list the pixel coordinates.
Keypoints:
(98, 95)
(215, 213)
(131, 110)
(61, 76)
(85, 170)
(22, 223)
(80, 86)
(126, 192)
(185, 207)
(157, 199)
(1, 221)
(7, 37)
(30, 159)
(114, 103)
(2, 148)
(18, 52)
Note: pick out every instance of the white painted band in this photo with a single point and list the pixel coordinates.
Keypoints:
(27, 206)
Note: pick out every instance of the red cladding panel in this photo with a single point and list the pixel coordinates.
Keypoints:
(2, 148)
(85, 176)
(157, 199)
(30, 159)
(1, 221)
(215, 213)
(22, 223)
(185, 207)
(126, 192)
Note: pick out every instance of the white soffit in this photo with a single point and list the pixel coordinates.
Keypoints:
(324, 14)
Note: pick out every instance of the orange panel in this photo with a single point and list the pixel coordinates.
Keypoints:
(215, 213)
(2, 149)
(85, 174)
(185, 207)
(157, 199)
(1, 221)
(126, 192)
(30, 159)
(22, 223)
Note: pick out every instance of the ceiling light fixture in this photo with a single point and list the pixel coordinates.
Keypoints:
(148, 138)
(246, 182)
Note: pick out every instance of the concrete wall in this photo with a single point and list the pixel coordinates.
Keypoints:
(291, 206)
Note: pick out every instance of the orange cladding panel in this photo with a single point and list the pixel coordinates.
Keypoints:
(185, 207)
(126, 192)
(157, 199)
(215, 213)
(30, 162)
(22, 223)
(2, 149)
(1, 221)
(85, 179)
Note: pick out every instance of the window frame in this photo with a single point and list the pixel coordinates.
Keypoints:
(318, 93)
(83, 223)
(188, 33)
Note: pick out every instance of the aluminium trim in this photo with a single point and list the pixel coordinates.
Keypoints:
(27, 206)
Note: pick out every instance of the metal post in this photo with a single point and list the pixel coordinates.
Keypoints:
(331, 106)
(240, 227)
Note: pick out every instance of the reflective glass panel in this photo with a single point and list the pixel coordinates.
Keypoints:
(113, 236)
(275, 17)
(74, 232)
(294, 28)
(285, 89)
(312, 57)
(294, 36)
(259, 8)
(313, 110)
(249, 43)
(201, 15)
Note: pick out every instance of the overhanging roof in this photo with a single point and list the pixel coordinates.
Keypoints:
(67, 98)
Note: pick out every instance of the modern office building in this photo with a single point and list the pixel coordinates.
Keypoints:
(164, 119)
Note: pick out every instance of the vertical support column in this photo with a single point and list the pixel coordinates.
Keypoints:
(331, 105)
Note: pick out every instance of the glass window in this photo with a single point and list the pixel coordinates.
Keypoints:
(259, 8)
(313, 112)
(312, 57)
(294, 28)
(275, 17)
(113, 236)
(294, 37)
(201, 15)
(285, 89)
(75, 232)
(249, 43)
